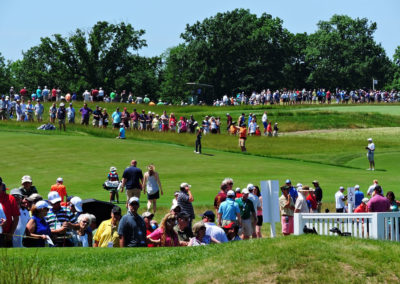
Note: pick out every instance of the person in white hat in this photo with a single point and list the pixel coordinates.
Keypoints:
(37, 226)
(61, 115)
(229, 210)
(76, 209)
(301, 201)
(370, 154)
(27, 188)
(358, 196)
(247, 214)
(60, 188)
(340, 198)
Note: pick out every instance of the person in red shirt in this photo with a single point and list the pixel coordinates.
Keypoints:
(53, 94)
(362, 208)
(312, 201)
(226, 185)
(60, 188)
(23, 92)
(11, 210)
(95, 93)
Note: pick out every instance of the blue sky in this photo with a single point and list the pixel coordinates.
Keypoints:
(23, 22)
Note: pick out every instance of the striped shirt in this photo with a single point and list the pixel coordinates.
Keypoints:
(185, 204)
(56, 219)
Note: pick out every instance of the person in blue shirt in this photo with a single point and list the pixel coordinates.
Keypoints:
(121, 132)
(292, 191)
(358, 196)
(116, 116)
(229, 210)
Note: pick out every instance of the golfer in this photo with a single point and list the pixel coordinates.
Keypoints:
(370, 154)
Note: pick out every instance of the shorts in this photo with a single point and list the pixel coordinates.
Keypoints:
(39, 116)
(259, 220)
(153, 196)
(370, 156)
(265, 124)
(242, 142)
(247, 227)
(95, 122)
(85, 120)
(61, 121)
(133, 192)
(287, 224)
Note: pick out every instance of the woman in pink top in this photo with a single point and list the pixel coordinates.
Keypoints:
(259, 212)
(165, 236)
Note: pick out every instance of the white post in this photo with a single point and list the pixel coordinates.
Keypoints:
(298, 224)
(373, 84)
(273, 230)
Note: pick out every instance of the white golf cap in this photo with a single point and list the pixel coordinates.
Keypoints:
(53, 197)
(60, 179)
(245, 191)
(77, 202)
(369, 139)
(356, 186)
(250, 186)
(185, 184)
(42, 204)
(230, 193)
(133, 199)
(26, 179)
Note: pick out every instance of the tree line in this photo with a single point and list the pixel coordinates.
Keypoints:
(230, 52)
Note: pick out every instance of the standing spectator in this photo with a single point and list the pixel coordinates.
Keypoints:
(23, 219)
(96, 117)
(229, 211)
(164, 121)
(185, 200)
(107, 233)
(58, 92)
(132, 229)
(86, 96)
(358, 196)
(247, 214)
(85, 112)
(286, 206)
(370, 191)
(95, 94)
(27, 188)
(172, 122)
(113, 176)
(370, 154)
(312, 202)
(276, 129)
(269, 129)
(301, 201)
(71, 114)
(165, 235)
(101, 94)
(182, 229)
(226, 185)
(104, 118)
(45, 94)
(30, 111)
(378, 203)
(212, 229)
(37, 227)
(292, 191)
(242, 137)
(260, 220)
(340, 198)
(264, 120)
(60, 188)
(23, 92)
(53, 113)
(53, 94)
(75, 208)
(125, 117)
(39, 109)
(135, 119)
(39, 93)
(116, 116)
(256, 204)
(152, 185)
(229, 121)
(148, 218)
(132, 178)
(11, 212)
(61, 114)
(318, 195)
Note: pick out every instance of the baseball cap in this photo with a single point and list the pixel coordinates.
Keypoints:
(133, 199)
(17, 192)
(288, 181)
(209, 214)
(53, 197)
(34, 197)
(365, 200)
(250, 186)
(42, 204)
(60, 179)
(341, 187)
(116, 210)
(113, 169)
(185, 184)
(369, 139)
(245, 191)
(229, 226)
(77, 202)
(230, 193)
(26, 179)
(176, 193)
(62, 104)
(315, 182)
(147, 215)
(237, 189)
(356, 186)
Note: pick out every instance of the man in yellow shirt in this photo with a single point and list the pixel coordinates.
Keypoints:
(107, 233)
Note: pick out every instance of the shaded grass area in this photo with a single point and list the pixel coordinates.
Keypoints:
(304, 259)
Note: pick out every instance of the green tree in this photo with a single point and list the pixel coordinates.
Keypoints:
(343, 53)
(395, 84)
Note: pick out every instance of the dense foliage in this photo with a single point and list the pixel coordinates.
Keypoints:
(228, 53)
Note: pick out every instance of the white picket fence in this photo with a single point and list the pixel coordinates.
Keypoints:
(378, 226)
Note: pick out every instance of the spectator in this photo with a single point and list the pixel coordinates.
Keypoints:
(185, 200)
(247, 214)
(292, 191)
(301, 202)
(264, 120)
(175, 200)
(358, 196)
(318, 195)
(107, 233)
(96, 117)
(229, 211)
(60, 188)
(370, 191)
(226, 185)
(113, 176)
(242, 137)
(165, 236)
(152, 185)
(200, 237)
(75, 207)
(378, 203)
(27, 187)
(85, 112)
(183, 230)
(71, 114)
(340, 198)
(394, 204)
(370, 154)
(232, 232)
(148, 217)
(39, 109)
(84, 236)
(362, 208)
(132, 229)
(312, 202)
(104, 118)
(256, 204)
(11, 216)
(23, 219)
(286, 206)
(53, 113)
(37, 227)
(121, 134)
(132, 178)
(216, 233)
(260, 220)
(117, 117)
(276, 129)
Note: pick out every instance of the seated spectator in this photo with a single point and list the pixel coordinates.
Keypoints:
(232, 232)
(200, 238)
(394, 204)
(148, 217)
(27, 187)
(165, 236)
(83, 233)
(378, 203)
(182, 229)
(216, 233)
(37, 228)
(107, 233)
(362, 208)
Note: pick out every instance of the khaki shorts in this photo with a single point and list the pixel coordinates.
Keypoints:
(95, 122)
(247, 227)
(61, 121)
(133, 192)
(242, 142)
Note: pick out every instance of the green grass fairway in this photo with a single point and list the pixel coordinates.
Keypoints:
(381, 108)
(305, 259)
